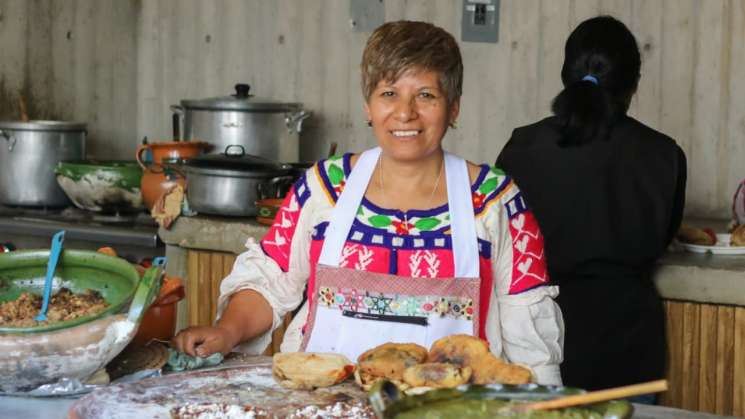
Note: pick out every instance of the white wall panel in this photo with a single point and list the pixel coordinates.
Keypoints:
(120, 64)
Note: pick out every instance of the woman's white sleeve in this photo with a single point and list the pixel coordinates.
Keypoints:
(530, 322)
(288, 243)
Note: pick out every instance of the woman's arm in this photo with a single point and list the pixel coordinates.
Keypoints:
(266, 282)
(530, 325)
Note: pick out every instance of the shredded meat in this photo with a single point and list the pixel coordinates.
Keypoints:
(64, 305)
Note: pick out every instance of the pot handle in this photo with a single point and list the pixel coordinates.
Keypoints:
(295, 120)
(10, 138)
(138, 154)
(178, 122)
(273, 182)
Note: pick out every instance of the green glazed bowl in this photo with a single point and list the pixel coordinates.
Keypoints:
(25, 271)
(389, 403)
(111, 186)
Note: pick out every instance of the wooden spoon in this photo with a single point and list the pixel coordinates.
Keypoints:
(596, 396)
(22, 106)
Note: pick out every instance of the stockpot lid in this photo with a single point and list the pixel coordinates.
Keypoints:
(43, 126)
(241, 100)
(235, 161)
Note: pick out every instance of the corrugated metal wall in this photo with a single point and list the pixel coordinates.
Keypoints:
(119, 65)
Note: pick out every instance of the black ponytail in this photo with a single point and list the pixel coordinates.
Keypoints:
(600, 74)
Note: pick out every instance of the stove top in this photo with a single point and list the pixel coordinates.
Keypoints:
(137, 229)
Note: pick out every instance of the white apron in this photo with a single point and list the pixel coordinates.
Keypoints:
(433, 307)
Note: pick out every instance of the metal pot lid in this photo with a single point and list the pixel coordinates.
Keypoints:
(43, 126)
(241, 100)
(234, 158)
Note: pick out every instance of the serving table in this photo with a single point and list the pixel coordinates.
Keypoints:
(704, 299)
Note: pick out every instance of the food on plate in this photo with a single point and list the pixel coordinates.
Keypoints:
(461, 350)
(470, 351)
(699, 236)
(491, 369)
(64, 305)
(738, 236)
(309, 370)
(436, 375)
(388, 361)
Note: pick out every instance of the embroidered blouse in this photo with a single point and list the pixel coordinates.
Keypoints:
(523, 323)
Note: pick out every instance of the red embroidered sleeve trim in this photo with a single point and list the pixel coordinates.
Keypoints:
(278, 239)
(528, 257)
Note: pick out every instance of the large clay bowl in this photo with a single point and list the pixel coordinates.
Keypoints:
(32, 356)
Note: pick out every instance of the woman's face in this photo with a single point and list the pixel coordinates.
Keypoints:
(410, 116)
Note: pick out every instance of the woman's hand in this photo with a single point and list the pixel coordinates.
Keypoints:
(203, 341)
(246, 316)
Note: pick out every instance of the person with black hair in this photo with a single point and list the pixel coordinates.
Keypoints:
(608, 194)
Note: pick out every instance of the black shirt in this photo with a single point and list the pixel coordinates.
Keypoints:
(607, 210)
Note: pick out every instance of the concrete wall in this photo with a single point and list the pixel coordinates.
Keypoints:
(126, 61)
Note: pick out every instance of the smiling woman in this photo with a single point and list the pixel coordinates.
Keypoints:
(401, 243)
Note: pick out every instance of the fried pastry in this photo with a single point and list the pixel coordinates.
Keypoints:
(309, 370)
(490, 369)
(388, 361)
(436, 375)
(738, 236)
(699, 236)
(470, 351)
(461, 350)
(391, 359)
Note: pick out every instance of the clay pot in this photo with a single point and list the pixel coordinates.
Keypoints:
(159, 321)
(162, 174)
(170, 150)
(156, 182)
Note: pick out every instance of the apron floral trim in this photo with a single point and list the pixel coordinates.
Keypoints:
(395, 305)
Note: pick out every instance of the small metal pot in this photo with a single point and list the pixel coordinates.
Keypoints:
(264, 127)
(29, 152)
(231, 182)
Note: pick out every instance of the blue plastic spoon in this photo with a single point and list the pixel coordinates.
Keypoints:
(51, 266)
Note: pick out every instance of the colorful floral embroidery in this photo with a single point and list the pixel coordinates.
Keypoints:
(396, 305)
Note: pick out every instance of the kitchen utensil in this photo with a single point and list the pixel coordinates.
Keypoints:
(32, 356)
(110, 186)
(54, 253)
(264, 127)
(228, 183)
(22, 107)
(596, 396)
(388, 402)
(28, 155)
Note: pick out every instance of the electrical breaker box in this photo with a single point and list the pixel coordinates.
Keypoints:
(480, 21)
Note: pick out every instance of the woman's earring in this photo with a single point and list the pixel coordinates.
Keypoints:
(453, 125)
(369, 123)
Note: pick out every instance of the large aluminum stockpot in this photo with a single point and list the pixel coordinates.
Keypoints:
(263, 127)
(29, 152)
(230, 183)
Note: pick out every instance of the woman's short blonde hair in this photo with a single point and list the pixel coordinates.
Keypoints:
(397, 47)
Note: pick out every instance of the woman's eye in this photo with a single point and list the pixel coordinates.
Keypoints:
(387, 93)
(426, 95)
